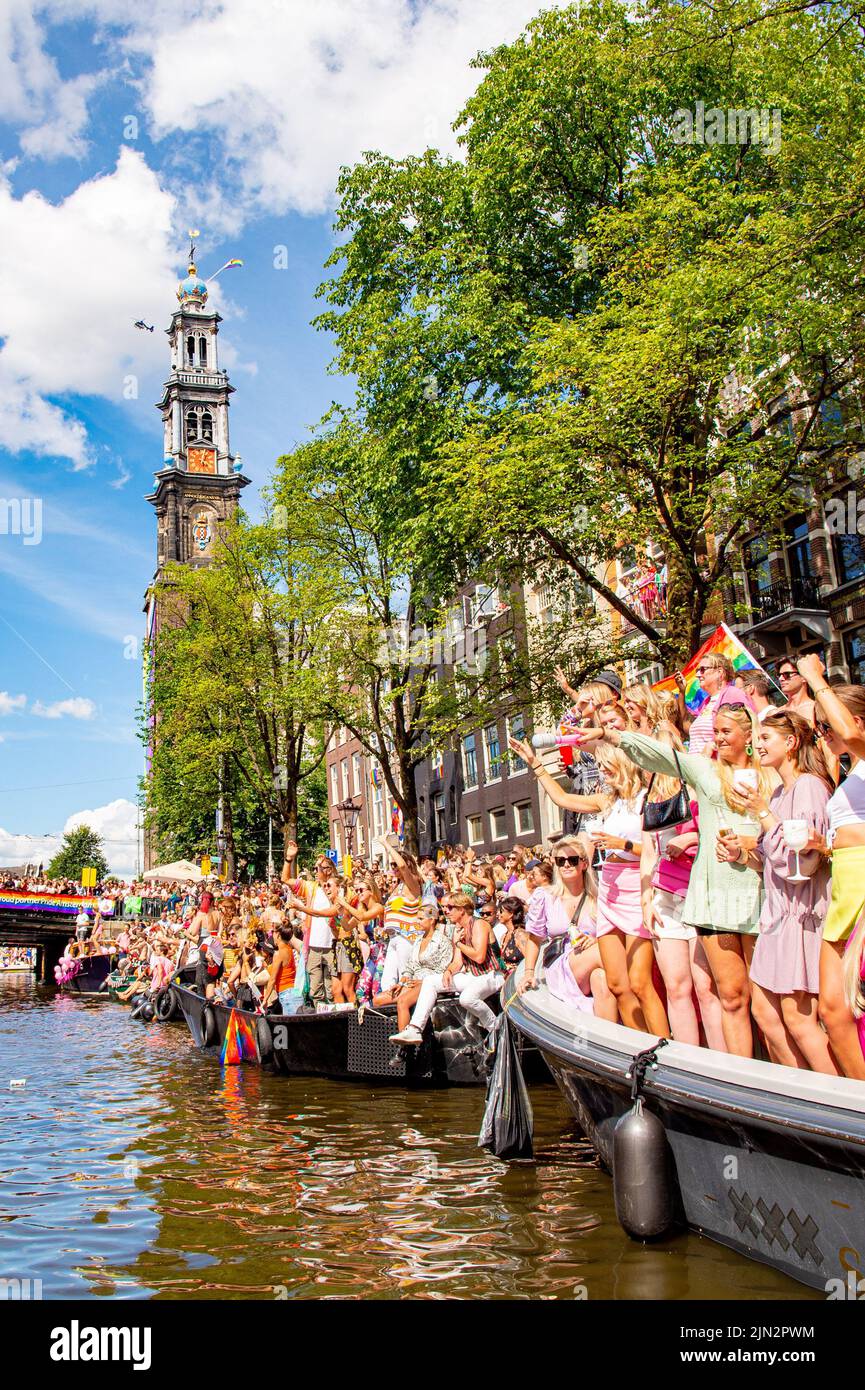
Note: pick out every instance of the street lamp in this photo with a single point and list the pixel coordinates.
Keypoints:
(349, 810)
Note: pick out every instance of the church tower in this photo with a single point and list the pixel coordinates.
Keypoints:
(200, 481)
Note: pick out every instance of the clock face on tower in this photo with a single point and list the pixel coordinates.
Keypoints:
(199, 460)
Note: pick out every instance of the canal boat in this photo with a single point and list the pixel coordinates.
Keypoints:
(91, 978)
(354, 1044)
(765, 1159)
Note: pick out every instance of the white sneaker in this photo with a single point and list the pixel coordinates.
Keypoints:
(409, 1035)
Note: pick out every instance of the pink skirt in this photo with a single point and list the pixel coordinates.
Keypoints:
(619, 905)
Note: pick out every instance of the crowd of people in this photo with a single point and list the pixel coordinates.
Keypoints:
(712, 873)
(709, 886)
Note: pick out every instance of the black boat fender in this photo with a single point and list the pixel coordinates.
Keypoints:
(209, 1029)
(643, 1182)
(166, 1005)
(264, 1039)
(139, 1003)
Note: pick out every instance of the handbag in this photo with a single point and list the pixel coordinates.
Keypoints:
(662, 815)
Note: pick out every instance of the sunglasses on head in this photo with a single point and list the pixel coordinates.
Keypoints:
(571, 859)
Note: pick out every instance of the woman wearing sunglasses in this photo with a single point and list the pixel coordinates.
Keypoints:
(715, 674)
(839, 714)
(623, 939)
(576, 976)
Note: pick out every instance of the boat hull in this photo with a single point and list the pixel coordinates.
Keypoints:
(91, 979)
(767, 1160)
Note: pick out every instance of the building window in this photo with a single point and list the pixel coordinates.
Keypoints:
(438, 816)
(849, 545)
(757, 571)
(854, 643)
(355, 767)
(474, 830)
(337, 837)
(517, 729)
(202, 351)
(493, 752)
(470, 762)
(498, 825)
(334, 783)
(205, 427)
(345, 791)
(524, 818)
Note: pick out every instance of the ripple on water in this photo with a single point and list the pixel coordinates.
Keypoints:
(131, 1165)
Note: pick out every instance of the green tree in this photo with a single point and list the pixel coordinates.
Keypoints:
(81, 849)
(238, 669)
(597, 333)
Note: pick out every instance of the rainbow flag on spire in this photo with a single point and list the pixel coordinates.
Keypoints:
(722, 641)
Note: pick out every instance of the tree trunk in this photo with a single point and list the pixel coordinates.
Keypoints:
(409, 806)
(686, 606)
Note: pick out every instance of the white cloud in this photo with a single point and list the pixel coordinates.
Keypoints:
(75, 708)
(8, 703)
(74, 276)
(116, 823)
(331, 80)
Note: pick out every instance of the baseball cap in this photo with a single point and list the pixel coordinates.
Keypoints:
(609, 678)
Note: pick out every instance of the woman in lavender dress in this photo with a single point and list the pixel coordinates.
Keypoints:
(785, 968)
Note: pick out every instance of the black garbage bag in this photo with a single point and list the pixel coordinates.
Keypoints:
(506, 1129)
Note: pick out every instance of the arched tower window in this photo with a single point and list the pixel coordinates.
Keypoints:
(190, 349)
(202, 351)
(205, 426)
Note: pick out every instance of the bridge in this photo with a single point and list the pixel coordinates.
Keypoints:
(43, 920)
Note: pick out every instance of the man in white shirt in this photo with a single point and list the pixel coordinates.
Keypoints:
(82, 924)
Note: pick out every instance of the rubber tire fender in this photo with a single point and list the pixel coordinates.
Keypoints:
(209, 1030)
(264, 1039)
(166, 1005)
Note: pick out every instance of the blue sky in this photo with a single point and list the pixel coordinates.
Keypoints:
(116, 135)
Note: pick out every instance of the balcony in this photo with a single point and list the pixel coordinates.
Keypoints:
(786, 606)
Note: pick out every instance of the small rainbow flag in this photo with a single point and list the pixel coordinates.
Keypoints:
(722, 641)
(229, 265)
(375, 777)
(240, 1043)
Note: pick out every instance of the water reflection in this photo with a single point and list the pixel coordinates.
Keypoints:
(133, 1165)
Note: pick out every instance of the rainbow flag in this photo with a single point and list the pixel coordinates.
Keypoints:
(727, 644)
(375, 777)
(240, 1042)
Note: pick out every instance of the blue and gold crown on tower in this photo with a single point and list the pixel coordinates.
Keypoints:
(192, 289)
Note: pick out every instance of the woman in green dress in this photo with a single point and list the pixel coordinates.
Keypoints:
(724, 894)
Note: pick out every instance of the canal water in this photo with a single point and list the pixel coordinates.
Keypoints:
(134, 1166)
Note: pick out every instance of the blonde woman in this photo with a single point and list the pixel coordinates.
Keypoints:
(723, 900)
(615, 830)
(643, 708)
(577, 975)
(665, 871)
(839, 721)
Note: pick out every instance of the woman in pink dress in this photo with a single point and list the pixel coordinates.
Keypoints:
(567, 907)
(785, 966)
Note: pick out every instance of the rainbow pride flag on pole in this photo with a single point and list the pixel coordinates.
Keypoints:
(240, 1043)
(722, 641)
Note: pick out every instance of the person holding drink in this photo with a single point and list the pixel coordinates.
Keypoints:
(624, 941)
(724, 894)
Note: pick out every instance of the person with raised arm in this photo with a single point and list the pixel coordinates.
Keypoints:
(839, 724)
(723, 898)
(616, 829)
